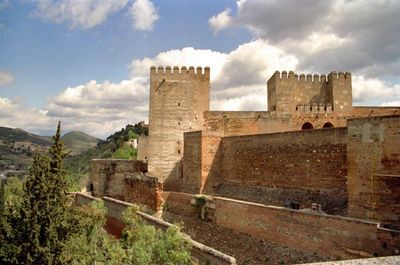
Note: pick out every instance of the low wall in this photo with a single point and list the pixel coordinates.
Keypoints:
(334, 236)
(115, 208)
(124, 180)
(374, 168)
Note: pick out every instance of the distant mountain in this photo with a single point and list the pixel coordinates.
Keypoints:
(18, 146)
(79, 142)
(8, 135)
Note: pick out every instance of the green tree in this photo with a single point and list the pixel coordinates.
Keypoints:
(92, 244)
(44, 208)
(145, 245)
(36, 229)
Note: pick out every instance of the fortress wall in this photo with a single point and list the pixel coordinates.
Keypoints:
(178, 98)
(124, 180)
(328, 235)
(143, 148)
(305, 166)
(374, 168)
(234, 123)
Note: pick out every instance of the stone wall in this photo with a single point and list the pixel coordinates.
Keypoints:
(329, 235)
(374, 168)
(178, 98)
(124, 180)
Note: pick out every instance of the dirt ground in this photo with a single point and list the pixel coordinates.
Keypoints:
(246, 249)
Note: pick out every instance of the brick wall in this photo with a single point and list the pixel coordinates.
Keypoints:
(374, 168)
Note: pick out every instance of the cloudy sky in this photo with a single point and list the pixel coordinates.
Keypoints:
(86, 62)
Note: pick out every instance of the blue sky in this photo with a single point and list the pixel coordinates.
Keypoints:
(85, 62)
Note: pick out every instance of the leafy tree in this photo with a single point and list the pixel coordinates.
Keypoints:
(92, 245)
(145, 245)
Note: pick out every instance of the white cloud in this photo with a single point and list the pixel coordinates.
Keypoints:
(221, 21)
(236, 77)
(16, 115)
(375, 91)
(144, 15)
(361, 36)
(6, 78)
(77, 13)
(184, 57)
(101, 108)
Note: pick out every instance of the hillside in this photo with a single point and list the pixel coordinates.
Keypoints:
(79, 142)
(17, 146)
(8, 135)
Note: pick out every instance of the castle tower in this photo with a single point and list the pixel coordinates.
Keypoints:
(291, 95)
(178, 98)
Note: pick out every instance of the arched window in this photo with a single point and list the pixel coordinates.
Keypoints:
(307, 126)
(328, 125)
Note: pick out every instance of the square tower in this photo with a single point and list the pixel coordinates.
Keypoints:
(289, 93)
(178, 98)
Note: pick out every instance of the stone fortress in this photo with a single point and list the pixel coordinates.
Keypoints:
(313, 172)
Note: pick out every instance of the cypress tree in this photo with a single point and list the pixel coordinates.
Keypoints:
(44, 210)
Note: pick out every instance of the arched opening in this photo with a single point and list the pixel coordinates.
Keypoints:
(327, 125)
(307, 126)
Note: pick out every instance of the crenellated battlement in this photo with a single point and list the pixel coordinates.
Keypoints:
(179, 72)
(284, 75)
